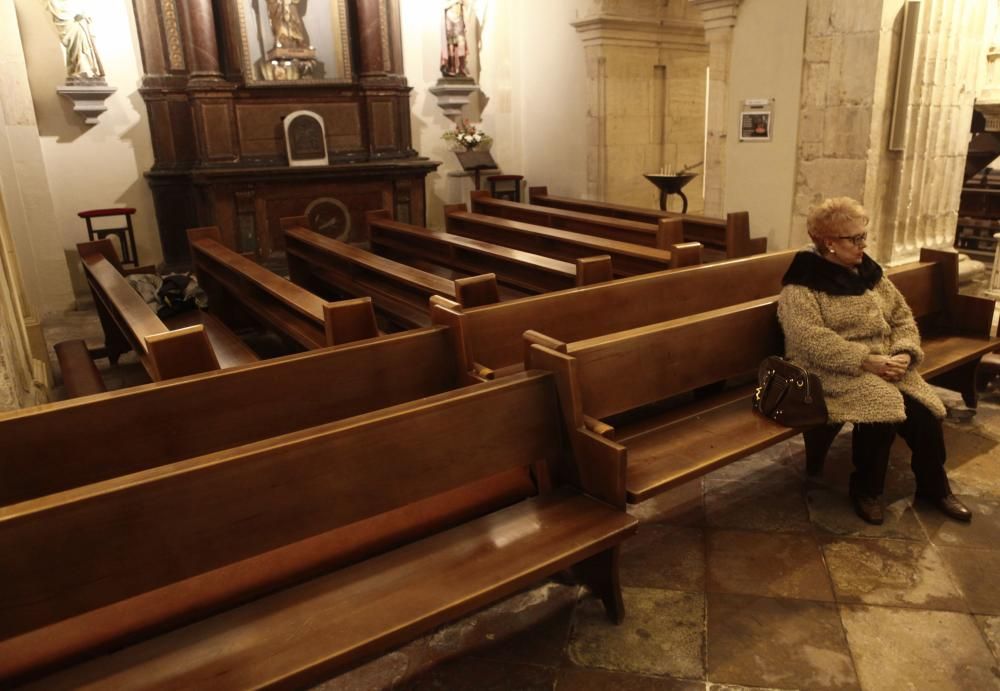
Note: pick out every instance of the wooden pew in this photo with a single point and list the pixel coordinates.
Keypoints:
(80, 375)
(522, 270)
(606, 376)
(398, 291)
(627, 259)
(59, 446)
(194, 341)
(661, 233)
(144, 545)
(236, 284)
(731, 236)
(488, 338)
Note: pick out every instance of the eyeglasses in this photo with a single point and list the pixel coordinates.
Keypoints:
(857, 240)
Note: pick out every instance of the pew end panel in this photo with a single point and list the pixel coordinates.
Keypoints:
(448, 313)
(685, 254)
(537, 190)
(80, 375)
(669, 232)
(738, 241)
(349, 320)
(591, 270)
(181, 352)
(474, 291)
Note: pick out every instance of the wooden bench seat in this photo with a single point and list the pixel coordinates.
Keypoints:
(184, 345)
(488, 338)
(627, 259)
(240, 510)
(238, 285)
(398, 291)
(524, 271)
(609, 375)
(730, 236)
(661, 233)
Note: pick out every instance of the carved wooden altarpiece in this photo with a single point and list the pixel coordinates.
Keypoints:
(216, 89)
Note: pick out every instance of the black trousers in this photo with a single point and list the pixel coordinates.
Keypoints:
(922, 432)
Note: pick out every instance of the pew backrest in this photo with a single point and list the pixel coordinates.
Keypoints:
(489, 337)
(59, 446)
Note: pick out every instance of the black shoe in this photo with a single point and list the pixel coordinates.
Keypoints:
(950, 506)
(868, 508)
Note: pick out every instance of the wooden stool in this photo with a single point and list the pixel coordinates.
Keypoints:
(125, 234)
(505, 187)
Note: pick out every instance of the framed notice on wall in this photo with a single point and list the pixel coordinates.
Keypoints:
(755, 126)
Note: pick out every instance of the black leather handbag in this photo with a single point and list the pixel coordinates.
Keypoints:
(788, 394)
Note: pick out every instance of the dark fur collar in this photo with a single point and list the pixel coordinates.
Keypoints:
(812, 271)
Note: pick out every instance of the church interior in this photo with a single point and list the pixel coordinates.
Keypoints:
(433, 344)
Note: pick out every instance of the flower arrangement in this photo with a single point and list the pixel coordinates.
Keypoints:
(467, 136)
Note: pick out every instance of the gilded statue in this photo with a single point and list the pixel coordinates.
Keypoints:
(75, 29)
(286, 25)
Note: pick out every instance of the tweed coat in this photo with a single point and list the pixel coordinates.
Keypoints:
(833, 318)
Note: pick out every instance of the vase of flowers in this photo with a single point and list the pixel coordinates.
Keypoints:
(467, 137)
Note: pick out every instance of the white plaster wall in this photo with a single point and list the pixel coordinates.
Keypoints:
(532, 72)
(760, 176)
(101, 165)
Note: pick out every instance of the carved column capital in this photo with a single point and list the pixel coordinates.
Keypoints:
(719, 15)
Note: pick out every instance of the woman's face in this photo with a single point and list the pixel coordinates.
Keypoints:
(847, 247)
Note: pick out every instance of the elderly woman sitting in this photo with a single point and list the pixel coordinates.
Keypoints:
(846, 323)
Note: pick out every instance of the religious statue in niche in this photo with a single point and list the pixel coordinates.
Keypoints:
(292, 56)
(454, 44)
(83, 64)
(85, 84)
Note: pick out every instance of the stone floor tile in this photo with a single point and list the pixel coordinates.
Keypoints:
(891, 572)
(929, 650)
(972, 460)
(977, 573)
(682, 505)
(768, 465)
(777, 643)
(831, 511)
(776, 506)
(663, 634)
(590, 679)
(664, 556)
(542, 644)
(476, 674)
(767, 564)
(990, 627)
(983, 531)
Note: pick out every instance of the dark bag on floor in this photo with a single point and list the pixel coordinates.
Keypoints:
(788, 394)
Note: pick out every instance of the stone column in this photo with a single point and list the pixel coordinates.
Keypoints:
(720, 18)
(646, 86)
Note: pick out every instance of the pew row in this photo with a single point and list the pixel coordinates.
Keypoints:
(399, 292)
(59, 446)
(525, 271)
(236, 285)
(488, 338)
(731, 236)
(627, 259)
(190, 342)
(68, 560)
(661, 233)
(80, 376)
(615, 374)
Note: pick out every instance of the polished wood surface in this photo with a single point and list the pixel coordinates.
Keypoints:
(196, 522)
(80, 375)
(234, 282)
(490, 336)
(661, 233)
(730, 236)
(627, 259)
(606, 375)
(129, 324)
(524, 270)
(59, 446)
